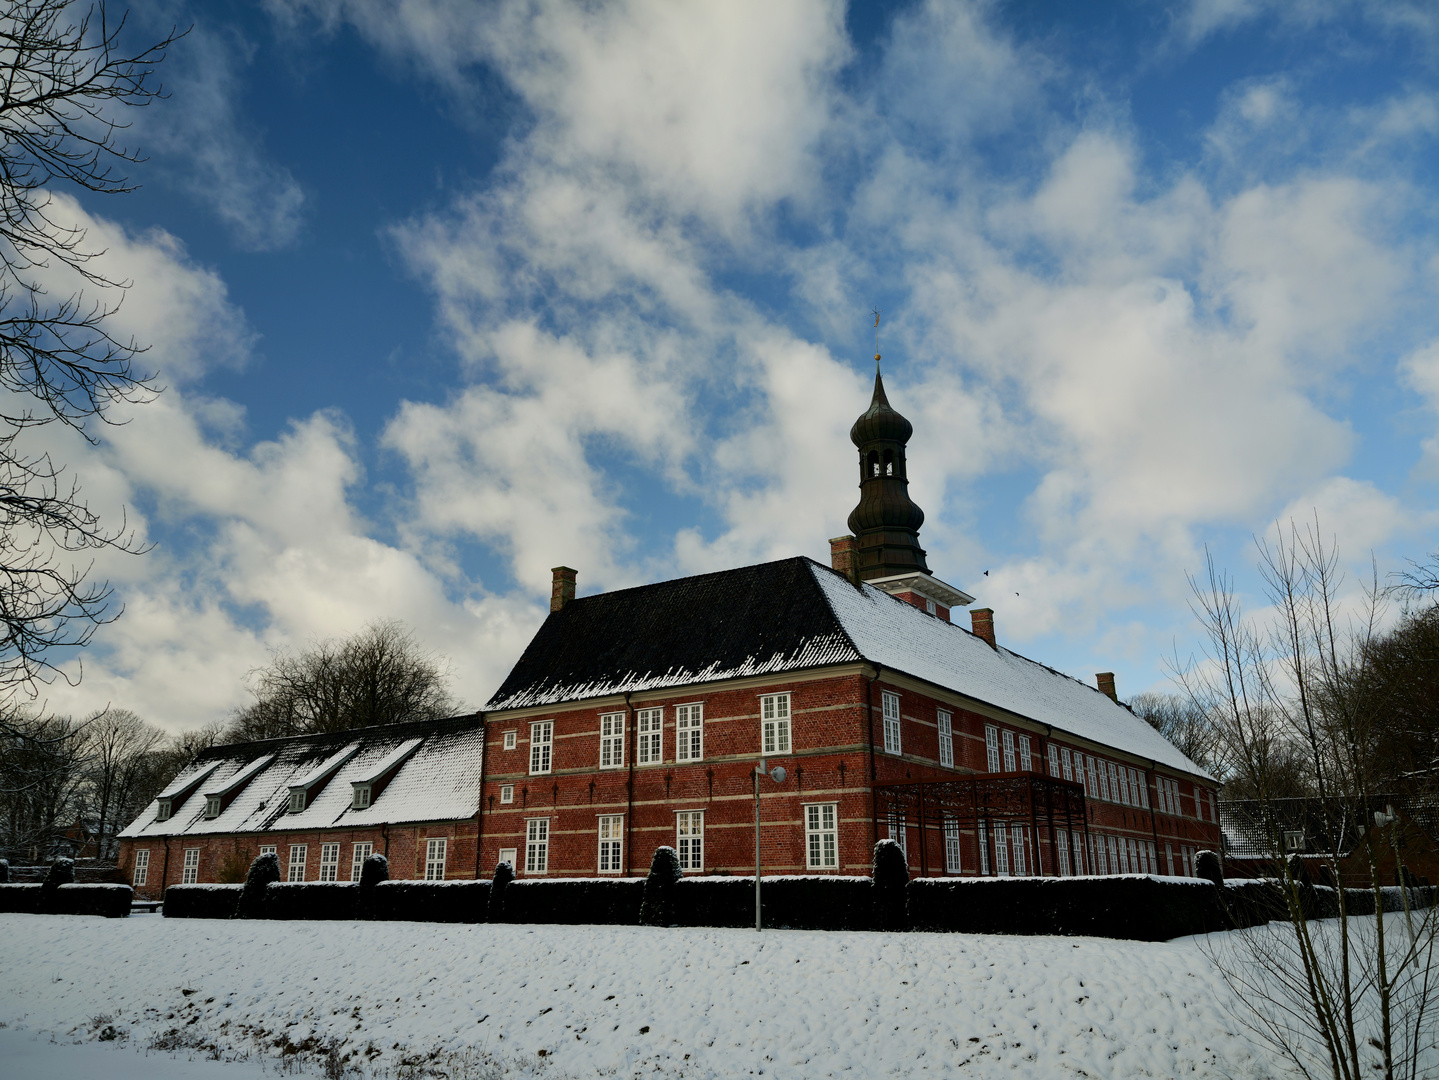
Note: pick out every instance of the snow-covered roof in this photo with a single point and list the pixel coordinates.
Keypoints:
(388, 762)
(328, 766)
(226, 785)
(791, 615)
(188, 778)
(439, 781)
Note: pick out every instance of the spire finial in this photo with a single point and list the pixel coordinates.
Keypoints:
(876, 341)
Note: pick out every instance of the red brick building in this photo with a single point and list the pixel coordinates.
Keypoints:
(637, 718)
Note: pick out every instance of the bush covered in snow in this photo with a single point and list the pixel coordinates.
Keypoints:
(499, 893)
(4, 871)
(1208, 867)
(201, 901)
(658, 906)
(61, 872)
(20, 899)
(375, 869)
(323, 900)
(265, 869)
(430, 901)
(106, 901)
(890, 876)
(593, 901)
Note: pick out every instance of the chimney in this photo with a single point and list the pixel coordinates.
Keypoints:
(1105, 679)
(844, 556)
(562, 590)
(982, 619)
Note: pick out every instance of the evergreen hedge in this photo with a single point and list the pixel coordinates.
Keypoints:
(658, 906)
(317, 900)
(890, 873)
(19, 899)
(714, 901)
(430, 901)
(109, 901)
(499, 893)
(263, 871)
(589, 901)
(201, 901)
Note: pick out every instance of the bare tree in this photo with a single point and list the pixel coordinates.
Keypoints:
(1180, 720)
(118, 749)
(64, 75)
(42, 778)
(379, 676)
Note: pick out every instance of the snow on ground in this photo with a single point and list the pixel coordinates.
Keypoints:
(562, 1001)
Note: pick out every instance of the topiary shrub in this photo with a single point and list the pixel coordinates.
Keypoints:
(265, 869)
(1208, 866)
(497, 902)
(375, 869)
(889, 877)
(658, 906)
(4, 871)
(61, 872)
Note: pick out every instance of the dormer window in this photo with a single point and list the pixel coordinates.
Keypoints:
(1293, 839)
(212, 807)
(163, 810)
(362, 797)
(297, 800)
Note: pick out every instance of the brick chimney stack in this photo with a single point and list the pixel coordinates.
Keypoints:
(562, 589)
(1105, 679)
(844, 556)
(982, 619)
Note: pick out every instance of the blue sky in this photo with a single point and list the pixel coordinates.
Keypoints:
(445, 294)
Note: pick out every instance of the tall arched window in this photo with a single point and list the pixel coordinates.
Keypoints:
(874, 463)
(889, 463)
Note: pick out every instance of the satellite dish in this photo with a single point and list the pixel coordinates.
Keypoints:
(777, 774)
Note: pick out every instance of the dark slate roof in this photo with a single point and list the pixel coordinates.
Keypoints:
(788, 616)
(751, 621)
(1336, 824)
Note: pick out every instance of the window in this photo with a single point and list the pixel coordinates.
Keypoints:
(212, 806)
(1008, 738)
(329, 862)
(891, 722)
(1019, 837)
(1293, 839)
(1001, 849)
(1053, 760)
(164, 810)
(297, 863)
(612, 741)
(267, 849)
(983, 845)
(361, 797)
(507, 793)
(1124, 786)
(1130, 856)
(1078, 844)
(510, 855)
(991, 746)
(946, 739)
(190, 872)
(1188, 865)
(649, 748)
(1066, 763)
(1137, 783)
(1153, 857)
(929, 606)
(774, 724)
(951, 845)
(1063, 849)
(1113, 856)
(1097, 858)
(435, 858)
(899, 833)
(690, 835)
(1109, 781)
(358, 855)
(542, 738)
(1094, 776)
(510, 739)
(142, 866)
(537, 846)
(821, 836)
(1079, 774)
(611, 830)
(1026, 759)
(297, 800)
(689, 732)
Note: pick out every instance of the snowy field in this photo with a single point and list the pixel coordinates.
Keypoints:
(411, 999)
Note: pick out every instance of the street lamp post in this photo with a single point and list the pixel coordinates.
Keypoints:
(776, 774)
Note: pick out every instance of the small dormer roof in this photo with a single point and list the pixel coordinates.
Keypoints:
(239, 779)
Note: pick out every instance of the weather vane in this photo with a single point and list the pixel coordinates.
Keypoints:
(876, 339)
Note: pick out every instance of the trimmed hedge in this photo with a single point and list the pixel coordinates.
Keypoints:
(108, 901)
(316, 900)
(201, 901)
(429, 901)
(577, 901)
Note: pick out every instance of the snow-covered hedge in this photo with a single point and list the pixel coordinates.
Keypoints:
(593, 901)
(110, 901)
(429, 901)
(321, 900)
(796, 903)
(201, 901)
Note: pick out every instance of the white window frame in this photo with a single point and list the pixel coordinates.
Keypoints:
(542, 747)
(142, 866)
(649, 736)
(269, 849)
(1077, 846)
(297, 800)
(981, 835)
(821, 836)
(610, 831)
(1153, 856)
(1026, 755)
(1019, 840)
(190, 871)
(991, 747)
(1137, 784)
(507, 793)
(1066, 762)
(774, 712)
(1124, 786)
(690, 732)
(690, 838)
(1169, 858)
(297, 862)
(1007, 740)
(1063, 848)
(436, 848)
(537, 845)
(329, 862)
(1104, 768)
(946, 739)
(899, 831)
(1094, 772)
(358, 854)
(889, 707)
(1053, 760)
(952, 863)
(512, 739)
(612, 742)
(360, 796)
(1001, 849)
(1113, 855)
(1080, 777)
(511, 856)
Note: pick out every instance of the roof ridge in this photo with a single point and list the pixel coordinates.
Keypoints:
(342, 734)
(688, 577)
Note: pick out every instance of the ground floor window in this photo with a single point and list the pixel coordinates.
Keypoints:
(142, 866)
(1077, 844)
(329, 862)
(267, 849)
(297, 862)
(509, 855)
(612, 831)
(690, 839)
(1019, 838)
(899, 833)
(951, 845)
(1062, 846)
(190, 872)
(537, 846)
(1169, 859)
(357, 859)
(821, 836)
(1001, 849)
(435, 859)
(1188, 862)
(1114, 866)
(983, 835)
